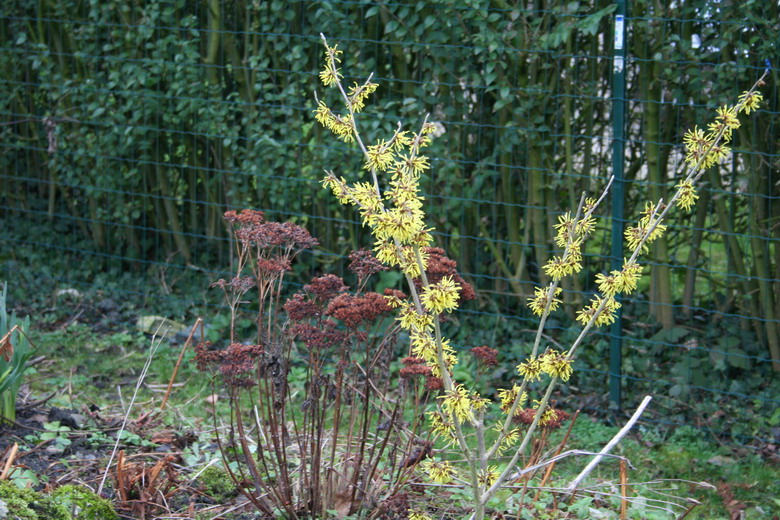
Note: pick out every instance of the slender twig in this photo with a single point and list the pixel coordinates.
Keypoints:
(199, 321)
(138, 385)
(611, 444)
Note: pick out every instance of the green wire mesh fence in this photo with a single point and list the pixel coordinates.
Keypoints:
(128, 128)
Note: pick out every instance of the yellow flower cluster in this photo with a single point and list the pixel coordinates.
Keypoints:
(749, 101)
(569, 235)
(417, 515)
(549, 416)
(507, 398)
(424, 346)
(341, 126)
(441, 427)
(458, 403)
(488, 476)
(687, 197)
(623, 281)
(556, 364)
(541, 299)
(725, 122)
(509, 440)
(330, 75)
(439, 472)
(396, 219)
(647, 229)
(604, 310)
(359, 94)
(706, 149)
(441, 297)
(531, 369)
(412, 320)
(559, 266)
(552, 362)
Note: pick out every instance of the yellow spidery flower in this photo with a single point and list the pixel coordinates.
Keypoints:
(457, 403)
(749, 101)
(728, 117)
(605, 316)
(442, 296)
(449, 356)
(423, 239)
(478, 403)
(588, 207)
(441, 426)
(507, 398)
(330, 74)
(635, 235)
(412, 164)
(423, 345)
(338, 187)
(696, 144)
(393, 301)
(386, 252)
(359, 93)
(486, 477)
(628, 276)
(417, 515)
(399, 223)
(696, 138)
(379, 156)
(439, 472)
(558, 266)
(509, 440)
(585, 226)
(322, 114)
(404, 190)
(539, 301)
(411, 320)
(609, 285)
(548, 417)
(688, 196)
(408, 261)
(715, 155)
(564, 229)
(531, 369)
(341, 126)
(555, 364)
(364, 195)
(725, 122)
(401, 140)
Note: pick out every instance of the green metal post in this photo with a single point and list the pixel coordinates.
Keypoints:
(618, 190)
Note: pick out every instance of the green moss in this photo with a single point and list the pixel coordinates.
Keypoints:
(217, 483)
(83, 504)
(26, 504)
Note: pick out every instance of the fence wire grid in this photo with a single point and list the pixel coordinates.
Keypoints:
(129, 128)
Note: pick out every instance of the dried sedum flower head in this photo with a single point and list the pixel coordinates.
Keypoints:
(486, 356)
(364, 264)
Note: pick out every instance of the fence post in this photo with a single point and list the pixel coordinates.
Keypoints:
(618, 186)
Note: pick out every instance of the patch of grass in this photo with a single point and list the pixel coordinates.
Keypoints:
(90, 366)
(685, 453)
